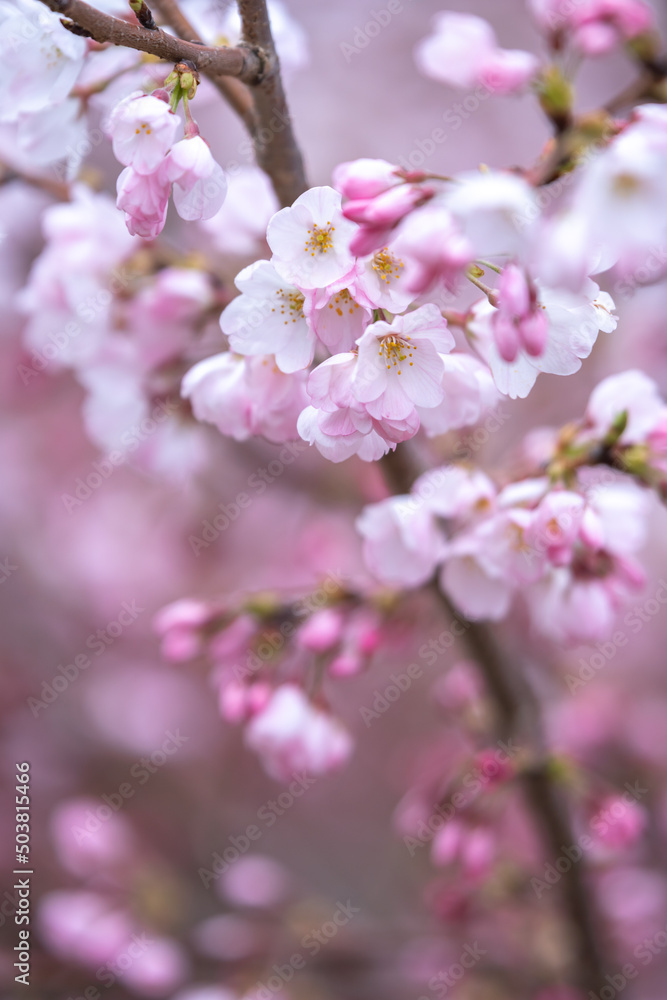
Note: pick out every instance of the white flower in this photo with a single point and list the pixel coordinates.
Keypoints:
(142, 128)
(200, 184)
(310, 240)
(267, 318)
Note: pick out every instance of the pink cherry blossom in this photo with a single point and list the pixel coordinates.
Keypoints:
(244, 396)
(378, 217)
(431, 244)
(520, 321)
(463, 52)
(600, 25)
(342, 431)
(144, 199)
(633, 393)
(380, 282)
(469, 393)
(268, 317)
(402, 542)
(574, 321)
(41, 59)
(291, 735)
(142, 129)
(200, 184)
(365, 178)
(399, 364)
(337, 314)
(310, 241)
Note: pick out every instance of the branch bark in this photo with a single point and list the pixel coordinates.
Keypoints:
(254, 62)
(240, 62)
(518, 715)
(274, 142)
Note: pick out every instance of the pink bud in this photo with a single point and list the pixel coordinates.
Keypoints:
(322, 630)
(364, 178)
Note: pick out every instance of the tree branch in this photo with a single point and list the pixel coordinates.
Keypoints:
(275, 146)
(241, 62)
(234, 92)
(518, 715)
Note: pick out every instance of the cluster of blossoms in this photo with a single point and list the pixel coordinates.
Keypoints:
(143, 128)
(266, 655)
(565, 540)
(126, 326)
(334, 287)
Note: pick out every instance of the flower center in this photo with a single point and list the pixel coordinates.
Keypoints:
(343, 300)
(386, 266)
(290, 305)
(143, 128)
(319, 239)
(395, 351)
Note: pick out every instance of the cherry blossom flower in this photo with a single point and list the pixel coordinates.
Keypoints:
(399, 363)
(574, 321)
(41, 60)
(380, 282)
(142, 129)
(378, 216)
(469, 392)
(337, 314)
(595, 26)
(402, 542)
(365, 178)
(431, 244)
(633, 393)
(268, 317)
(618, 194)
(520, 321)
(463, 52)
(343, 431)
(291, 735)
(245, 396)
(310, 241)
(200, 184)
(144, 199)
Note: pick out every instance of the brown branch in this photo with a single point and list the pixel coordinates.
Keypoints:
(242, 62)
(275, 146)
(518, 715)
(234, 92)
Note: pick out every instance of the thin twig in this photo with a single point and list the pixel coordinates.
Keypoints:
(518, 714)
